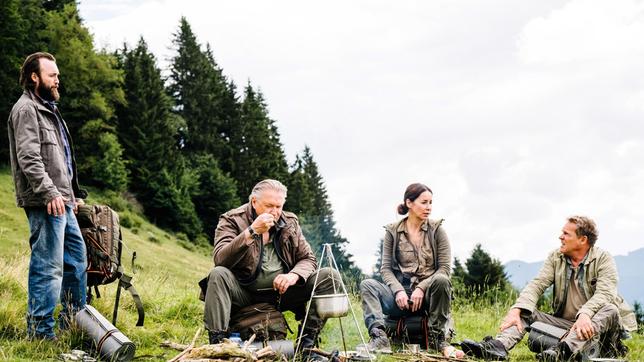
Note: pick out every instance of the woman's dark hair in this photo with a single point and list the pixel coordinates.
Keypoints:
(411, 194)
(32, 65)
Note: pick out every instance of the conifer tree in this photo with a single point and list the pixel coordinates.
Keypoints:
(201, 94)
(91, 86)
(257, 152)
(23, 24)
(299, 200)
(215, 193)
(148, 130)
(11, 46)
(483, 272)
(318, 223)
(458, 272)
(375, 272)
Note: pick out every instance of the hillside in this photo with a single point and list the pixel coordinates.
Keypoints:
(629, 267)
(166, 277)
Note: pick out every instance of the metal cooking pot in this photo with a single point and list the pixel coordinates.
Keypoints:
(331, 305)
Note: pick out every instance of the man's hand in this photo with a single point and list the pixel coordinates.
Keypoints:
(283, 281)
(56, 206)
(417, 299)
(513, 318)
(263, 223)
(402, 300)
(583, 327)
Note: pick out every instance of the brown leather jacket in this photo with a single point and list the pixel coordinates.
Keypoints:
(232, 252)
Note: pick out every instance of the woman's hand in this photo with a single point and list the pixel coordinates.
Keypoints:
(417, 299)
(402, 300)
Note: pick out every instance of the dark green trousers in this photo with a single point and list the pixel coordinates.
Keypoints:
(225, 296)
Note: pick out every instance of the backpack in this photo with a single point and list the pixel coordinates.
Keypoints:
(261, 319)
(414, 328)
(101, 232)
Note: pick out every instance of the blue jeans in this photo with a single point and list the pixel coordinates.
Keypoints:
(57, 269)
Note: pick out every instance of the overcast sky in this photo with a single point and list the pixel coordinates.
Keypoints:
(516, 113)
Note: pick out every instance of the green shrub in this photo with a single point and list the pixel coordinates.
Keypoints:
(130, 220)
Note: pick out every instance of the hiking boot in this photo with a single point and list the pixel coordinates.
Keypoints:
(437, 341)
(557, 353)
(488, 349)
(378, 342)
(216, 337)
(308, 341)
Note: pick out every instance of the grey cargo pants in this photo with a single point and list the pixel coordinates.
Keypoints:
(605, 322)
(225, 296)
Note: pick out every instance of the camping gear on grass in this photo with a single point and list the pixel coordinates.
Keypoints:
(543, 336)
(109, 342)
(412, 329)
(101, 231)
(262, 320)
(333, 305)
(280, 346)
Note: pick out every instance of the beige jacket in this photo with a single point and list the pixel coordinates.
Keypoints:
(598, 282)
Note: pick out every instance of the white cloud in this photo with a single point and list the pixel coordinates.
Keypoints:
(517, 114)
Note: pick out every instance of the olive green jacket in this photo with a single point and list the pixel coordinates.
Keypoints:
(435, 238)
(598, 281)
(231, 251)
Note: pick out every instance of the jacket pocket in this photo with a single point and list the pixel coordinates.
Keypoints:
(406, 254)
(48, 136)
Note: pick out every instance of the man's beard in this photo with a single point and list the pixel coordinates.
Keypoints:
(48, 93)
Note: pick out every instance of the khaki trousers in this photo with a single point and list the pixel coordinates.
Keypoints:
(605, 322)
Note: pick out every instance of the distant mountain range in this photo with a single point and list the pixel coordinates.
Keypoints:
(630, 268)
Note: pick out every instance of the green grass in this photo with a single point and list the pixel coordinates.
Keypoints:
(168, 271)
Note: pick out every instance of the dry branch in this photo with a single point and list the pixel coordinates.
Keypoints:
(187, 350)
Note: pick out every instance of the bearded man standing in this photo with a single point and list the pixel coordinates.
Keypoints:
(44, 173)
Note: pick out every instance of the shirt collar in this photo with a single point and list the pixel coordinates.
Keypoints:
(51, 104)
(402, 226)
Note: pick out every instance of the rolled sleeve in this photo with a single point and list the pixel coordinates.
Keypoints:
(530, 294)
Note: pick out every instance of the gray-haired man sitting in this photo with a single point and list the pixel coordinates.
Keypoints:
(261, 255)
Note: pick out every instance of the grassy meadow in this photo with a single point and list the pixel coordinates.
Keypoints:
(168, 268)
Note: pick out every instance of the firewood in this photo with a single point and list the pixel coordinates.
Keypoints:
(181, 355)
(173, 345)
(225, 350)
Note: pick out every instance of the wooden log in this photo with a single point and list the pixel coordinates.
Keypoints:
(181, 355)
(173, 345)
